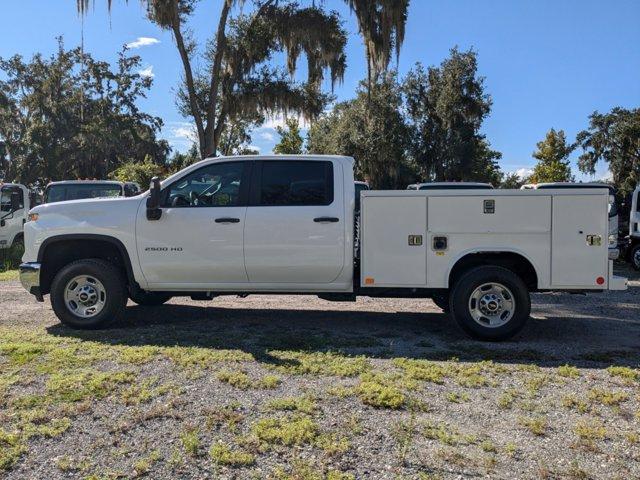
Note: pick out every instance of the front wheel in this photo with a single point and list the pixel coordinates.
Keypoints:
(490, 303)
(88, 294)
(635, 257)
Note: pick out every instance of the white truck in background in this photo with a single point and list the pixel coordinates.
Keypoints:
(285, 225)
(633, 246)
(15, 202)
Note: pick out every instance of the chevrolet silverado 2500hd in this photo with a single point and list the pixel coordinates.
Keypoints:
(270, 224)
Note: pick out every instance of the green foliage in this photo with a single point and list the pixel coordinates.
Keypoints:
(71, 116)
(553, 159)
(139, 172)
(511, 181)
(614, 138)
(289, 431)
(223, 455)
(290, 139)
(446, 106)
(371, 129)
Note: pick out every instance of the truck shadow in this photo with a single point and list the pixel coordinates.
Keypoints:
(587, 341)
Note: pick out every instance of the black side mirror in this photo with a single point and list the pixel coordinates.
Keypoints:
(154, 212)
(15, 201)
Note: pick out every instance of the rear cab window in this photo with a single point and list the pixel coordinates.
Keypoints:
(293, 183)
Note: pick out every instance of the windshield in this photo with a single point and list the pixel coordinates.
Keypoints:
(60, 193)
(5, 200)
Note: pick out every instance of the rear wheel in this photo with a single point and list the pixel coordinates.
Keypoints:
(88, 294)
(490, 303)
(149, 299)
(635, 257)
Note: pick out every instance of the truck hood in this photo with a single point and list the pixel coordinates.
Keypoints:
(89, 206)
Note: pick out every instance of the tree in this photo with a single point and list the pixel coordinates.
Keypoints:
(553, 159)
(139, 172)
(511, 181)
(371, 129)
(290, 139)
(446, 106)
(238, 79)
(71, 116)
(615, 138)
(382, 26)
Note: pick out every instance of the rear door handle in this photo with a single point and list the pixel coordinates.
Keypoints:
(227, 220)
(326, 220)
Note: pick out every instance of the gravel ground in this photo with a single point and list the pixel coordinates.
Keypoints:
(371, 389)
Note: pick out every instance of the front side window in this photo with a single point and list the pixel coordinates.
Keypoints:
(5, 198)
(296, 183)
(216, 185)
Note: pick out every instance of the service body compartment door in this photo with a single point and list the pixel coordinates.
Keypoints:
(579, 241)
(394, 236)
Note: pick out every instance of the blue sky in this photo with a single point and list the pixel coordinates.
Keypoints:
(547, 63)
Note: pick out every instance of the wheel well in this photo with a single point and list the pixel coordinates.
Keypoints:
(54, 255)
(509, 260)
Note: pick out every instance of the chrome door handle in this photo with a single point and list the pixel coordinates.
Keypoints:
(227, 220)
(326, 220)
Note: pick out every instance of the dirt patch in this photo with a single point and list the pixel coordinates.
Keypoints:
(296, 387)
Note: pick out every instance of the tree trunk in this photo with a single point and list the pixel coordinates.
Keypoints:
(210, 138)
(188, 73)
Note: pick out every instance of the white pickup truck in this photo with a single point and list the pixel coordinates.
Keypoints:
(15, 202)
(285, 225)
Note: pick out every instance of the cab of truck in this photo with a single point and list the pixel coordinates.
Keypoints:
(14, 205)
(81, 189)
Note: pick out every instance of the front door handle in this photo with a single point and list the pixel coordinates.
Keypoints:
(227, 220)
(326, 220)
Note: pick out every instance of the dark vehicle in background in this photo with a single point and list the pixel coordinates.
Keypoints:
(79, 189)
(450, 186)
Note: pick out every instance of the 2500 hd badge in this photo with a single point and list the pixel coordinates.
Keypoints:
(163, 249)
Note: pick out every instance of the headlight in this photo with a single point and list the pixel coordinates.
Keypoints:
(33, 217)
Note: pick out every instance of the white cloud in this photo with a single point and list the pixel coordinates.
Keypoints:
(147, 72)
(142, 42)
(254, 147)
(267, 136)
(524, 173)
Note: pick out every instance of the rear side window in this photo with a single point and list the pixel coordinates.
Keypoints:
(296, 183)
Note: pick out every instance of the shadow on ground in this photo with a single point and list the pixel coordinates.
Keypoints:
(587, 340)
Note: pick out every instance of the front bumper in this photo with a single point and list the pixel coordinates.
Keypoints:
(30, 279)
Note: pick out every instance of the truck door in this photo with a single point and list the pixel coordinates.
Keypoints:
(579, 241)
(198, 239)
(295, 229)
(11, 222)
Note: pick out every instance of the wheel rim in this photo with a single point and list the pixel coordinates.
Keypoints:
(85, 296)
(492, 305)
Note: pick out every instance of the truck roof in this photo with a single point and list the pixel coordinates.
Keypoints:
(448, 185)
(87, 182)
(537, 186)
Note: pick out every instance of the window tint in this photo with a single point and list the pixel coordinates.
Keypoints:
(296, 183)
(5, 198)
(216, 185)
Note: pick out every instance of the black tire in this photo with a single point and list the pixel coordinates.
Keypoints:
(442, 302)
(634, 257)
(461, 298)
(149, 299)
(115, 293)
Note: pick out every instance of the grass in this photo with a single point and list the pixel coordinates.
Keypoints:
(536, 425)
(304, 404)
(190, 438)
(291, 430)
(630, 375)
(8, 275)
(223, 455)
(590, 431)
(235, 378)
(607, 397)
(568, 371)
(380, 392)
(318, 363)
